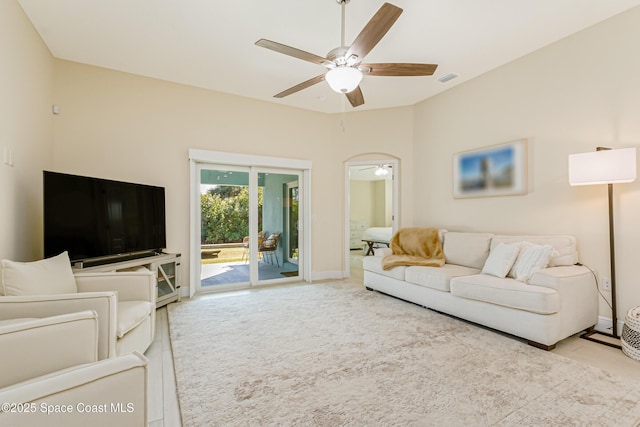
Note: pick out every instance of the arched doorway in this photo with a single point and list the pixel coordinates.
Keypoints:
(371, 207)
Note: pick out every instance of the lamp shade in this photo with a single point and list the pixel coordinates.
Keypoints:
(603, 167)
(343, 79)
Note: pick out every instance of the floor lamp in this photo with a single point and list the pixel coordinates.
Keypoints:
(605, 166)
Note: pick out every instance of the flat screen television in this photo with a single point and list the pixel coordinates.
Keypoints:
(99, 221)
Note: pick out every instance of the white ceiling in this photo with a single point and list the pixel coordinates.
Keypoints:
(210, 43)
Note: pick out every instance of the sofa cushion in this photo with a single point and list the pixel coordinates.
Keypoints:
(506, 292)
(374, 264)
(565, 246)
(532, 258)
(501, 259)
(131, 314)
(467, 249)
(44, 277)
(437, 277)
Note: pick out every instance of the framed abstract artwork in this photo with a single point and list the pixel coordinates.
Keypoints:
(498, 170)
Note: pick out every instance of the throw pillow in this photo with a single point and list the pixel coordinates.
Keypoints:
(532, 258)
(48, 276)
(501, 259)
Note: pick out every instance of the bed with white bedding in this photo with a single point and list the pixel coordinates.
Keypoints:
(379, 234)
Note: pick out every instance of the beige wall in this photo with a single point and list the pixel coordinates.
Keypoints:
(126, 127)
(383, 203)
(361, 202)
(26, 88)
(381, 135)
(371, 202)
(570, 97)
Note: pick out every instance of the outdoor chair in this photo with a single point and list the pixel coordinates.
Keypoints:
(245, 244)
(270, 247)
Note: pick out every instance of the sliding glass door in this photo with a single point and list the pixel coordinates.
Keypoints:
(224, 226)
(292, 210)
(249, 226)
(274, 251)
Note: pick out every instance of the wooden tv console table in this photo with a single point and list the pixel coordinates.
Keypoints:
(166, 267)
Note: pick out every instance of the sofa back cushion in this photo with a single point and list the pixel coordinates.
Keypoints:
(44, 277)
(466, 249)
(564, 245)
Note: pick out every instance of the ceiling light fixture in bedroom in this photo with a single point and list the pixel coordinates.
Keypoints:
(381, 171)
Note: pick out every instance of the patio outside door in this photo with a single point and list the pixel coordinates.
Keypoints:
(245, 217)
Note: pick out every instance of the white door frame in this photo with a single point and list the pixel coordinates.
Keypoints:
(395, 164)
(197, 157)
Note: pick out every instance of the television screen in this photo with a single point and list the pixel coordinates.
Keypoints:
(96, 218)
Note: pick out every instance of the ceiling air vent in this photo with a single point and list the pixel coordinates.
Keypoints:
(447, 77)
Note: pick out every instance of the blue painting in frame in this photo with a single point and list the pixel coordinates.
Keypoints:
(498, 170)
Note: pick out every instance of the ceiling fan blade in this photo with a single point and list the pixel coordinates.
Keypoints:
(400, 69)
(292, 51)
(355, 97)
(375, 29)
(299, 87)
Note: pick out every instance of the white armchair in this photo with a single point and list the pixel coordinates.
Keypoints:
(124, 301)
(49, 375)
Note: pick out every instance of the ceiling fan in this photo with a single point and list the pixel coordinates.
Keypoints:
(344, 63)
(380, 170)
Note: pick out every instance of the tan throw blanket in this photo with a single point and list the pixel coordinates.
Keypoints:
(415, 246)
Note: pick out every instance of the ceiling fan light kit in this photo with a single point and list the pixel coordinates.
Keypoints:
(344, 64)
(381, 171)
(343, 79)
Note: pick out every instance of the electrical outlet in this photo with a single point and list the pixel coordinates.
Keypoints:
(606, 284)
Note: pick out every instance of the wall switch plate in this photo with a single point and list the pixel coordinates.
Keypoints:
(606, 284)
(8, 157)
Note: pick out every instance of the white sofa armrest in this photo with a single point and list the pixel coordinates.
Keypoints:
(103, 303)
(578, 293)
(105, 393)
(34, 347)
(560, 277)
(130, 285)
(382, 251)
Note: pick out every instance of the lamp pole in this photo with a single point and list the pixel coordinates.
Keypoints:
(612, 257)
(612, 261)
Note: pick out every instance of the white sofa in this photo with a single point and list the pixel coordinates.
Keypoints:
(551, 304)
(50, 375)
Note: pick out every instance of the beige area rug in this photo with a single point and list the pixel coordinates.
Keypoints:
(336, 354)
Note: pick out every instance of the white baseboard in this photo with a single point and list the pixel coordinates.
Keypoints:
(327, 275)
(605, 324)
(184, 291)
